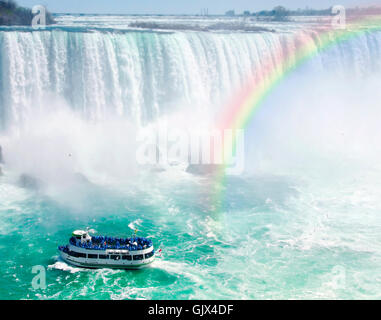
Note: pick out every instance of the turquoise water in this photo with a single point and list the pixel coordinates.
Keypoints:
(278, 238)
(303, 220)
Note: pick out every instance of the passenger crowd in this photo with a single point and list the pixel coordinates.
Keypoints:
(104, 242)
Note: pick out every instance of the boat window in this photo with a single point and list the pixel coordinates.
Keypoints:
(126, 257)
(77, 254)
(92, 256)
(138, 257)
(149, 254)
(115, 256)
(103, 256)
(72, 253)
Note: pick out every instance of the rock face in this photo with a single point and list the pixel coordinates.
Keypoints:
(29, 182)
(204, 169)
(81, 178)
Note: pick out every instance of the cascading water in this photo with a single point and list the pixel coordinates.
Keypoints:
(145, 75)
(71, 100)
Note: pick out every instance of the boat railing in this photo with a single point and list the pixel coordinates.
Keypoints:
(103, 243)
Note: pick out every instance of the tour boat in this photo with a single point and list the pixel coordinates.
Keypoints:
(88, 251)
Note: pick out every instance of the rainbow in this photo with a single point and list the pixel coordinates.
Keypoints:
(247, 102)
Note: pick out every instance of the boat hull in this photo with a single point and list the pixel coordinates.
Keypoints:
(83, 263)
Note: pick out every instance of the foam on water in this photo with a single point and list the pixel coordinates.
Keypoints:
(302, 222)
(61, 265)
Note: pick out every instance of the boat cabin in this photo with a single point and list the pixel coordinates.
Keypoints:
(82, 236)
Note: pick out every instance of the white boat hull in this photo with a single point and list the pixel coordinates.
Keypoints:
(108, 258)
(106, 263)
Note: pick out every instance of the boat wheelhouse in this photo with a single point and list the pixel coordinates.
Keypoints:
(89, 251)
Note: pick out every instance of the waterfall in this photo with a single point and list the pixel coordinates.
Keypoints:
(85, 93)
(144, 75)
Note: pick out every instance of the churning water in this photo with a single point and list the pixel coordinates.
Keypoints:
(303, 221)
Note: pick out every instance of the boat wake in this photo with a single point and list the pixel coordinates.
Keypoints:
(63, 266)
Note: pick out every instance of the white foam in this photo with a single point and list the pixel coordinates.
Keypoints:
(61, 265)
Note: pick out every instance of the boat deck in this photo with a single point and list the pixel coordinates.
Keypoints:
(104, 242)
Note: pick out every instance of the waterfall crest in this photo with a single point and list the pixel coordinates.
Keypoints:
(143, 75)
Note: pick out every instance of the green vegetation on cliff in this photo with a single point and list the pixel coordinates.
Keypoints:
(13, 15)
